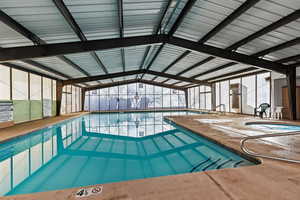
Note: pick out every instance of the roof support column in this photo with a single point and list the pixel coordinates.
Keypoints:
(59, 89)
(186, 94)
(82, 99)
(291, 85)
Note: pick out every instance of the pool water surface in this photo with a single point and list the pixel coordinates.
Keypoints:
(104, 148)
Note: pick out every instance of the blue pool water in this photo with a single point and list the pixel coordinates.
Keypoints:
(275, 127)
(105, 148)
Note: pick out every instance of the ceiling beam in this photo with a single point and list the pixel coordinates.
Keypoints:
(226, 54)
(232, 73)
(179, 78)
(281, 46)
(101, 77)
(121, 30)
(281, 22)
(258, 54)
(118, 83)
(46, 50)
(187, 7)
(73, 24)
(230, 18)
(289, 59)
(34, 38)
(157, 30)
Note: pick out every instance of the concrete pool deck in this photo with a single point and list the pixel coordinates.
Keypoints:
(269, 180)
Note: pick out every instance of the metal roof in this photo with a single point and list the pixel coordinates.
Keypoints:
(211, 22)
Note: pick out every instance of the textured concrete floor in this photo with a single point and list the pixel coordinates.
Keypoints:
(269, 180)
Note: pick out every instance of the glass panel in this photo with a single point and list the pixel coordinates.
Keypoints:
(235, 95)
(224, 87)
(20, 96)
(4, 83)
(248, 94)
(197, 98)
(47, 97)
(263, 88)
(19, 85)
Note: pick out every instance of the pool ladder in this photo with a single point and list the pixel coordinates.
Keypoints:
(251, 153)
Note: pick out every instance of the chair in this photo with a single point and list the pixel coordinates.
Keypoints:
(261, 109)
(277, 114)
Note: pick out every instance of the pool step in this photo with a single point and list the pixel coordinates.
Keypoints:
(210, 164)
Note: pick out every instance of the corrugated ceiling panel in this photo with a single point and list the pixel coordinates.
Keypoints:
(173, 13)
(86, 62)
(224, 71)
(189, 60)
(111, 59)
(259, 16)
(168, 54)
(160, 79)
(280, 35)
(207, 66)
(11, 38)
(204, 16)
(134, 57)
(33, 68)
(58, 65)
(148, 76)
(291, 51)
(97, 19)
(40, 17)
(182, 84)
(141, 17)
(151, 54)
(171, 81)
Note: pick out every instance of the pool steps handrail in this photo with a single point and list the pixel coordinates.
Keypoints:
(251, 153)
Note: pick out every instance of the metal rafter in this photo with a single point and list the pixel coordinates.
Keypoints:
(289, 59)
(158, 28)
(128, 73)
(175, 26)
(121, 30)
(230, 18)
(258, 54)
(283, 21)
(29, 35)
(73, 24)
(94, 87)
(56, 49)
(226, 54)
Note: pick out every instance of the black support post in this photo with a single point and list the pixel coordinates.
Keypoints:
(59, 89)
(291, 84)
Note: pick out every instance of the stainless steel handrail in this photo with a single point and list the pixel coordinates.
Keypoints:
(251, 153)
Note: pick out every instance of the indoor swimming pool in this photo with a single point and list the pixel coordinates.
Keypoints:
(105, 148)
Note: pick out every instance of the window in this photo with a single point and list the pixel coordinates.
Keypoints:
(36, 109)
(248, 94)
(47, 97)
(4, 83)
(134, 96)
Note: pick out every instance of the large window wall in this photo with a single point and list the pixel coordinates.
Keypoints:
(31, 96)
(200, 97)
(243, 94)
(71, 99)
(135, 96)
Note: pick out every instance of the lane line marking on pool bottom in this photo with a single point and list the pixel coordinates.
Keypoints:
(85, 192)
